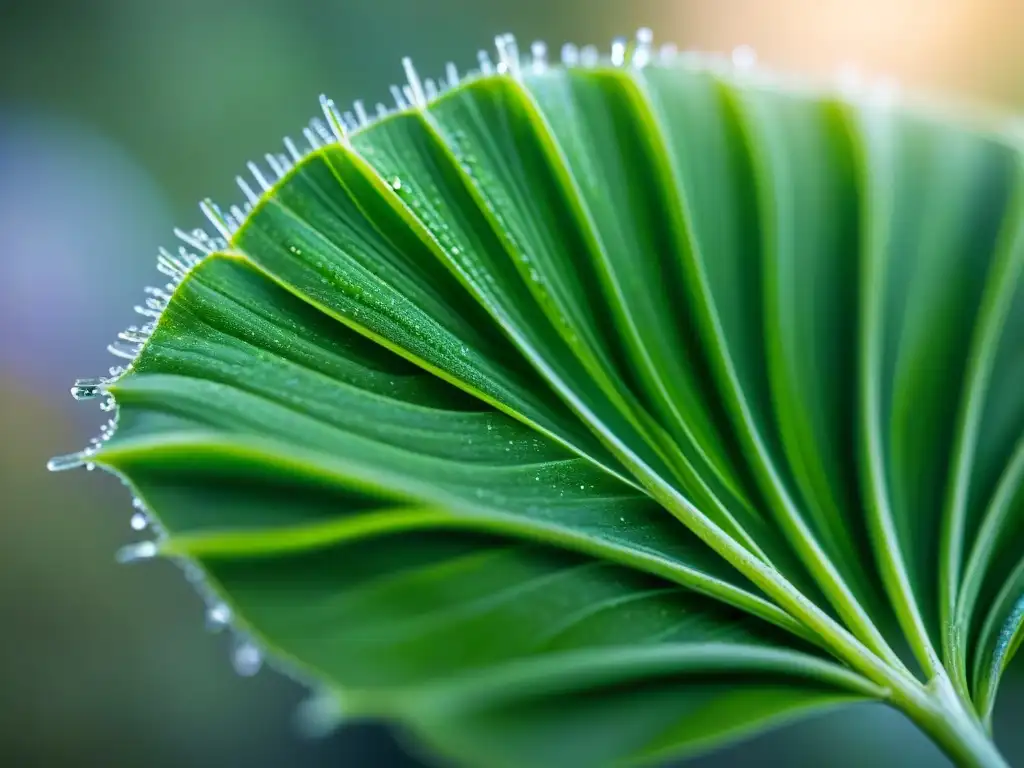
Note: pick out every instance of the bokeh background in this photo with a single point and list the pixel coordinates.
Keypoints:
(116, 116)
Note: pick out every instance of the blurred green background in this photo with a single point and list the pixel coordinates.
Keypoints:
(116, 116)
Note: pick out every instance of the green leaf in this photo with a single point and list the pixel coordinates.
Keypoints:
(676, 703)
(333, 237)
(308, 450)
(1001, 636)
(938, 198)
(242, 372)
(605, 131)
(599, 414)
(978, 522)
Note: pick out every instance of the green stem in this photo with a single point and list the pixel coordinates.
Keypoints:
(954, 728)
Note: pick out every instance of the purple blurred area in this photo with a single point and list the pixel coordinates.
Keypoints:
(116, 116)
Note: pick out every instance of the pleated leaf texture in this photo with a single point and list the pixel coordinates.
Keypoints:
(602, 412)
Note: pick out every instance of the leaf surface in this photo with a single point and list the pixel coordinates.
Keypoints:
(938, 198)
(597, 415)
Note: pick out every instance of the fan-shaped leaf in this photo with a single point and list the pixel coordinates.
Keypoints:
(597, 414)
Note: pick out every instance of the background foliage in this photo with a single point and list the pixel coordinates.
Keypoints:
(115, 117)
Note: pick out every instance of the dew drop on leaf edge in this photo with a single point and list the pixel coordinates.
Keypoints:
(86, 389)
(65, 462)
(218, 616)
(143, 550)
(246, 658)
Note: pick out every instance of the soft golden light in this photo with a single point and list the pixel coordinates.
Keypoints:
(967, 46)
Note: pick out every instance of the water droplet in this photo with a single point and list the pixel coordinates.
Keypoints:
(68, 461)
(126, 351)
(396, 183)
(193, 573)
(618, 51)
(246, 658)
(139, 521)
(143, 550)
(218, 616)
(319, 715)
(84, 389)
(539, 52)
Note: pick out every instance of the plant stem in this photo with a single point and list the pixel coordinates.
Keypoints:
(954, 728)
